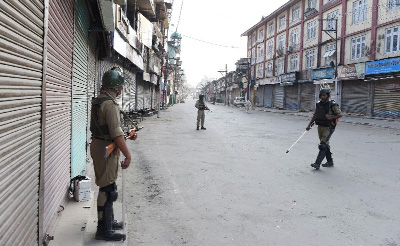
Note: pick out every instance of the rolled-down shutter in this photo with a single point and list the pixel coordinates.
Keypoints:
(58, 110)
(307, 97)
(355, 97)
(387, 98)
(292, 97)
(80, 89)
(259, 101)
(279, 93)
(268, 91)
(21, 70)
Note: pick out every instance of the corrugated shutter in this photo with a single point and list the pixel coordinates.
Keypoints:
(387, 98)
(307, 97)
(147, 94)
(80, 90)
(268, 91)
(58, 109)
(141, 94)
(355, 97)
(279, 93)
(92, 79)
(129, 93)
(292, 97)
(259, 100)
(21, 69)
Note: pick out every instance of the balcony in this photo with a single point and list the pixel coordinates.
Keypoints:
(146, 7)
(154, 64)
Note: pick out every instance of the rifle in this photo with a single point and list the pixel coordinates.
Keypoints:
(130, 134)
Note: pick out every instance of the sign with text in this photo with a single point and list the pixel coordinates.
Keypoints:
(352, 72)
(323, 73)
(383, 66)
(289, 77)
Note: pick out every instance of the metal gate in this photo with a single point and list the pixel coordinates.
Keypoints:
(307, 97)
(279, 94)
(58, 110)
(292, 97)
(268, 90)
(387, 98)
(140, 93)
(355, 97)
(80, 89)
(21, 70)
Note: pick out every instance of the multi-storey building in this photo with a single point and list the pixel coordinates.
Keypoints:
(352, 46)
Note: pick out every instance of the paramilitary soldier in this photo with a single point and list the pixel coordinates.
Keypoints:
(326, 115)
(106, 128)
(201, 106)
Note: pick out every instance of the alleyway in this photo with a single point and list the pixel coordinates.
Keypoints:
(233, 184)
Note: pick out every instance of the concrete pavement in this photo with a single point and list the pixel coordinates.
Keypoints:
(77, 223)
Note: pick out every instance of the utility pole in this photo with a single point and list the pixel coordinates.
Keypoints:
(226, 81)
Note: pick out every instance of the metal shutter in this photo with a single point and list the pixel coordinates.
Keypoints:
(268, 90)
(307, 97)
(292, 97)
(387, 98)
(80, 89)
(140, 94)
(21, 70)
(355, 97)
(279, 93)
(58, 109)
(259, 93)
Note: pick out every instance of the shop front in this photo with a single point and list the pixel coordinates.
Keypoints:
(385, 77)
(324, 78)
(307, 91)
(268, 85)
(355, 92)
(289, 82)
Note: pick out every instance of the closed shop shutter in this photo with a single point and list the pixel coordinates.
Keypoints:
(93, 80)
(268, 90)
(58, 110)
(80, 89)
(387, 98)
(129, 93)
(147, 95)
(292, 97)
(279, 93)
(307, 97)
(141, 93)
(355, 97)
(21, 70)
(259, 101)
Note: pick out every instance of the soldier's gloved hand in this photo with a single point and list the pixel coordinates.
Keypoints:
(125, 163)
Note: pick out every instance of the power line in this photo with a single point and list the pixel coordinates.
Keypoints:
(206, 42)
(179, 19)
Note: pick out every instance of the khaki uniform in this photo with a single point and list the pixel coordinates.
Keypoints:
(106, 170)
(325, 133)
(200, 113)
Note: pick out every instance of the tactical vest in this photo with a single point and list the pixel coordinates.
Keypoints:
(98, 131)
(322, 109)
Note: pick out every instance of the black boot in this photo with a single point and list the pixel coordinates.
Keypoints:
(105, 225)
(115, 224)
(203, 128)
(329, 159)
(321, 155)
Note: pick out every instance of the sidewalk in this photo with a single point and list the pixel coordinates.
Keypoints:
(77, 223)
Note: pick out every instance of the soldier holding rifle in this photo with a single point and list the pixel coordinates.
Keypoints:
(201, 106)
(105, 126)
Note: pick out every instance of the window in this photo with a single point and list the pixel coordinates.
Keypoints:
(296, 14)
(260, 53)
(261, 35)
(270, 47)
(332, 20)
(294, 37)
(281, 42)
(392, 40)
(294, 60)
(282, 22)
(393, 4)
(359, 11)
(357, 48)
(254, 38)
(311, 30)
(330, 54)
(312, 4)
(281, 65)
(259, 72)
(271, 29)
(310, 59)
(253, 56)
(269, 69)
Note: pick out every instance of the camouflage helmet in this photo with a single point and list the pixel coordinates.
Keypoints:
(113, 78)
(326, 91)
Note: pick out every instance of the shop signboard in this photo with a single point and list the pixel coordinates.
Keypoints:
(352, 72)
(289, 77)
(383, 66)
(323, 73)
(270, 81)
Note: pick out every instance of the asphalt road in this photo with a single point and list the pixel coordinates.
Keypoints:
(234, 183)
